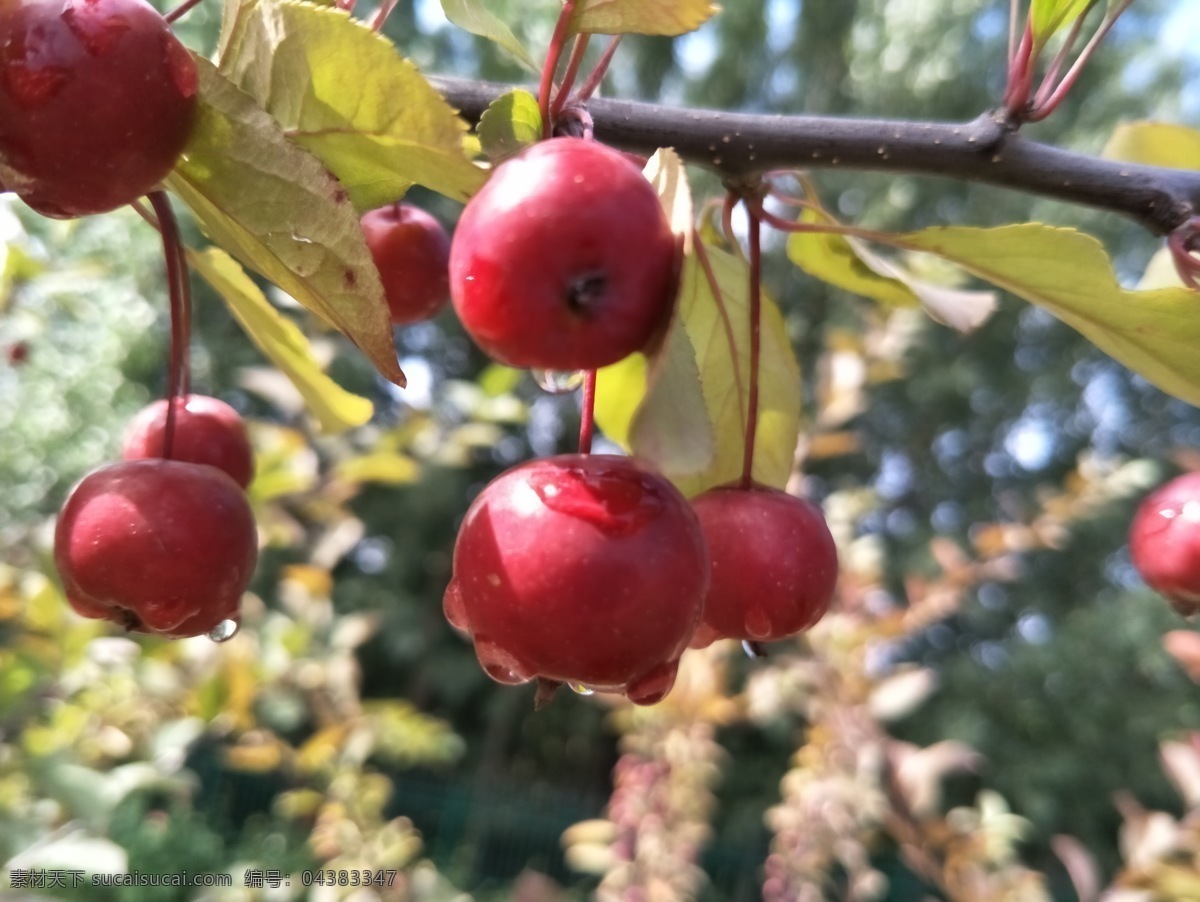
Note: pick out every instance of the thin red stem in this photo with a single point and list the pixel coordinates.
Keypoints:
(587, 423)
(1045, 107)
(568, 80)
(1020, 75)
(1056, 65)
(755, 241)
(596, 76)
(553, 55)
(381, 14)
(715, 287)
(1014, 13)
(181, 311)
(184, 7)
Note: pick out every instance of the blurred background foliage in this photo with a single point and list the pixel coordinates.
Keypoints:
(1038, 706)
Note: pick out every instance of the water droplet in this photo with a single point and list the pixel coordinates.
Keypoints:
(753, 649)
(224, 631)
(580, 689)
(454, 607)
(611, 493)
(559, 382)
(757, 623)
(500, 665)
(652, 687)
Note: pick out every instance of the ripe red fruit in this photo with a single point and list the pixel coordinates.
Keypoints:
(97, 100)
(207, 431)
(1164, 542)
(774, 564)
(158, 546)
(564, 260)
(580, 569)
(411, 250)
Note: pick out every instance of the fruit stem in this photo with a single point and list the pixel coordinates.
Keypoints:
(587, 423)
(179, 291)
(553, 55)
(755, 241)
(381, 14)
(182, 9)
(568, 80)
(597, 74)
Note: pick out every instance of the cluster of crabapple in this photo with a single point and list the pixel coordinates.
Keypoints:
(593, 570)
(97, 101)
(164, 541)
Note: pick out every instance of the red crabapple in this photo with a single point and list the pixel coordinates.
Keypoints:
(581, 569)
(411, 250)
(207, 431)
(97, 99)
(564, 260)
(158, 546)
(774, 564)
(1164, 542)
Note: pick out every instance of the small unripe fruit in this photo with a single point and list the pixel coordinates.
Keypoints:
(580, 569)
(159, 546)
(564, 260)
(97, 100)
(411, 250)
(1164, 542)
(207, 431)
(774, 564)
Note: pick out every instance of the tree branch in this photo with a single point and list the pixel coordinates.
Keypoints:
(740, 146)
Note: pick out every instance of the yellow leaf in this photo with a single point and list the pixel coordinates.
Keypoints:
(282, 342)
(658, 17)
(1155, 333)
(383, 467)
(1155, 144)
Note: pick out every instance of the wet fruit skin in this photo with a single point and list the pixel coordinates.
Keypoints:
(158, 546)
(564, 260)
(581, 569)
(411, 250)
(207, 431)
(774, 564)
(97, 100)
(1164, 542)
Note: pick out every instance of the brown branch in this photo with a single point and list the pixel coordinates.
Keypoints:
(740, 145)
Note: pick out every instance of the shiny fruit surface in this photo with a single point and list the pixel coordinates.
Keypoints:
(207, 431)
(580, 569)
(774, 564)
(97, 100)
(564, 260)
(411, 250)
(159, 546)
(1164, 542)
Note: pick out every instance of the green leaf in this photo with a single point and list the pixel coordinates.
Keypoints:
(1155, 144)
(473, 16)
(341, 91)
(657, 17)
(686, 408)
(274, 207)
(1155, 333)
(511, 123)
(851, 265)
(1048, 17)
(279, 338)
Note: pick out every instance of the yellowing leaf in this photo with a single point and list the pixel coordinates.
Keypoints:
(282, 341)
(473, 16)
(1049, 16)
(512, 122)
(658, 17)
(851, 265)
(274, 206)
(341, 91)
(686, 409)
(1155, 144)
(1155, 333)
(386, 468)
